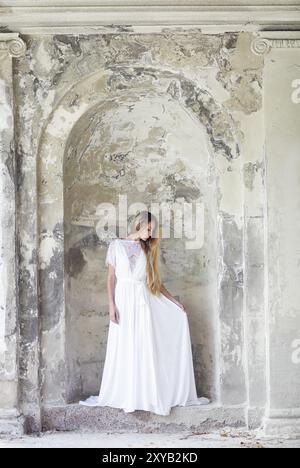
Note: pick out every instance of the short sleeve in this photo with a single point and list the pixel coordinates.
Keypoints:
(111, 254)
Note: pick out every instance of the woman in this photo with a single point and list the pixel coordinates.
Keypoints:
(148, 364)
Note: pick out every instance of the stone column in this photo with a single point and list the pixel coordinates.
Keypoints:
(10, 420)
(282, 152)
(254, 261)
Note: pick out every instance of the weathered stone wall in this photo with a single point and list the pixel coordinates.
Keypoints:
(159, 118)
(166, 117)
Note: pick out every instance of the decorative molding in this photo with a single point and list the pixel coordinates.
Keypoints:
(12, 44)
(260, 46)
(41, 17)
(264, 43)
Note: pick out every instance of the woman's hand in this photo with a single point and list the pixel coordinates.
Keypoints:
(114, 315)
(179, 305)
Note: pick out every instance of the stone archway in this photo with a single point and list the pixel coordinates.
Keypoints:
(223, 146)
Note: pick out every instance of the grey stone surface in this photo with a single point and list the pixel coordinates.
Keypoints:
(78, 417)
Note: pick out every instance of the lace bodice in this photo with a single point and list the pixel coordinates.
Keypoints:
(132, 248)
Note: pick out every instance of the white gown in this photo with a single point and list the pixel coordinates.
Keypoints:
(148, 364)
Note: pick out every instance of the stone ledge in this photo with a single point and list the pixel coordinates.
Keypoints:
(101, 419)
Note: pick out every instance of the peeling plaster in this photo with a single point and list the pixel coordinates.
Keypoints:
(6, 114)
(250, 172)
(48, 245)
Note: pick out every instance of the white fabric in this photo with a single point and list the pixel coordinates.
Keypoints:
(133, 249)
(148, 364)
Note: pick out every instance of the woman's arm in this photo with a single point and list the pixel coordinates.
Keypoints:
(166, 293)
(111, 282)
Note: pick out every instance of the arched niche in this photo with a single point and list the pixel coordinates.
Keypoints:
(71, 256)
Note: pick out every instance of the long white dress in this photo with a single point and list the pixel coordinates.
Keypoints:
(148, 364)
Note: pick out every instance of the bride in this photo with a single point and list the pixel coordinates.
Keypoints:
(148, 364)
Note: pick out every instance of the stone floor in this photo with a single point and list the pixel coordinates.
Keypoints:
(225, 438)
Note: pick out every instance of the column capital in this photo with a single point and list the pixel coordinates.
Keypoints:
(12, 44)
(269, 40)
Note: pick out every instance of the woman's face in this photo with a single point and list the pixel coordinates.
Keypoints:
(147, 230)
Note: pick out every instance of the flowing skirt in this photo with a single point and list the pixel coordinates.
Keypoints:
(148, 364)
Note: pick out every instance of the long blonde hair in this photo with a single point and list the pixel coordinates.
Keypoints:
(151, 249)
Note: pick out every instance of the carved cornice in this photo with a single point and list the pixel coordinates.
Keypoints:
(92, 16)
(12, 44)
(265, 42)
